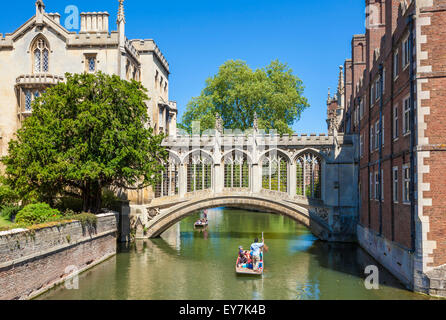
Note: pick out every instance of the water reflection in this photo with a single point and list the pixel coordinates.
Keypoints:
(200, 264)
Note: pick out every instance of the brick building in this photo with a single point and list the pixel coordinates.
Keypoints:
(395, 91)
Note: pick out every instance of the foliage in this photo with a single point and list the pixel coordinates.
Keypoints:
(86, 219)
(9, 212)
(110, 200)
(88, 133)
(37, 213)
(237, 92)
(69, 204)
(7, 195)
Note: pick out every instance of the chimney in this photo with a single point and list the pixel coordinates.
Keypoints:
(92, 22)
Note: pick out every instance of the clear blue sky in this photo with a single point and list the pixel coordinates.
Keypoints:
(197, 36)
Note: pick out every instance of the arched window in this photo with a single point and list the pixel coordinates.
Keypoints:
(199, 173)
(275, 173)
(309, 175)
(168, 185)
(236, 170)
(40, 52)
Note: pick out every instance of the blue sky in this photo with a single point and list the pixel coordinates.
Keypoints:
(197, 36)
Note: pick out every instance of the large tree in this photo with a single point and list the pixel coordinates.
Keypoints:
(237, 92)
(86, 134)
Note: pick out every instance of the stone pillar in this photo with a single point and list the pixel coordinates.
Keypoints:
(256, 179)
(292, 180)
(219, 181)
(182, 180)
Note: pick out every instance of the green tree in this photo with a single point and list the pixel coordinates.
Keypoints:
(85, 135)
(236, 92)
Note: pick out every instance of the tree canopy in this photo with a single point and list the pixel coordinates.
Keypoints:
(237, 92)
(86, 134)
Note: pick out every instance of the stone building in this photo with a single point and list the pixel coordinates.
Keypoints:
(395, 89)
(42, 50)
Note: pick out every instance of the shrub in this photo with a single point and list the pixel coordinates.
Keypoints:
(9, 212)
(86, 219)
(37, 213)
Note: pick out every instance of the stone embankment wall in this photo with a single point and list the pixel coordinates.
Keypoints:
(32, 262)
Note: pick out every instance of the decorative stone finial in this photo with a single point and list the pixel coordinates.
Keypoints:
(40, 10)
(341, 79)
(219, 123)
(121, 15)
(256, 122)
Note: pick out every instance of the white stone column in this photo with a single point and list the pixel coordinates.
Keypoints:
(292, 189)
(182, 180)
(256, 179)
(218, 178)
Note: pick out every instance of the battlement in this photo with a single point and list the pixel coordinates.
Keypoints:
(131, 49)
(248, 139)
(149, 45)
(94, 39)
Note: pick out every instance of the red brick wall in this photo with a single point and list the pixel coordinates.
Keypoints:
(436, 126)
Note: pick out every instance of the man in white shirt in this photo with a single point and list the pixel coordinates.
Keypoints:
(255, 249)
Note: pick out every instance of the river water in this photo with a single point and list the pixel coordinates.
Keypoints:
(200, 264)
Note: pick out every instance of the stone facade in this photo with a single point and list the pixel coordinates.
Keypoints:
(39, 53)
(32, 262)
(397, 109)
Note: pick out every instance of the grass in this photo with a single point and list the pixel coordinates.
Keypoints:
(6, 224)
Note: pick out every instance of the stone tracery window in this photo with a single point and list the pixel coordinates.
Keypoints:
(236, 170)
(309, 174)
(199, 173)
(275, 173)
(169, 183)
(40, 52)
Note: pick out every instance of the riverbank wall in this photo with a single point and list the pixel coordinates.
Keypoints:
(405, 265)
(33, 261)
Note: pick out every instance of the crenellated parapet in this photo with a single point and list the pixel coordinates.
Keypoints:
(149, 45)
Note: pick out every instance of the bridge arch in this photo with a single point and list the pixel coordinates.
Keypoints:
(177, 213)
(278, 151)
(236, 150)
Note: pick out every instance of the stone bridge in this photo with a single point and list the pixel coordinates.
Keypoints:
(309, 178)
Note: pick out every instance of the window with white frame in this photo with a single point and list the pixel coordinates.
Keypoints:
(371, 139)
(377, 89)
(382, 185)
(382, 132)
(406, 52)
(406, 184)
(406, 115)
(371, 186)
(395, 184)
(377, 135)
(376, 185)
(396, 64)
(395, 123)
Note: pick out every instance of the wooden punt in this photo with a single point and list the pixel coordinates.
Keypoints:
(247, 271)
(200, 224)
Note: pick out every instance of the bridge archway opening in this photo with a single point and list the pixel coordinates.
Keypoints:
(178, 213)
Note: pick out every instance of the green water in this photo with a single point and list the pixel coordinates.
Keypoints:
(191, 264)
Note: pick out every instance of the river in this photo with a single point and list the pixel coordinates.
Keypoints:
(200, 264)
